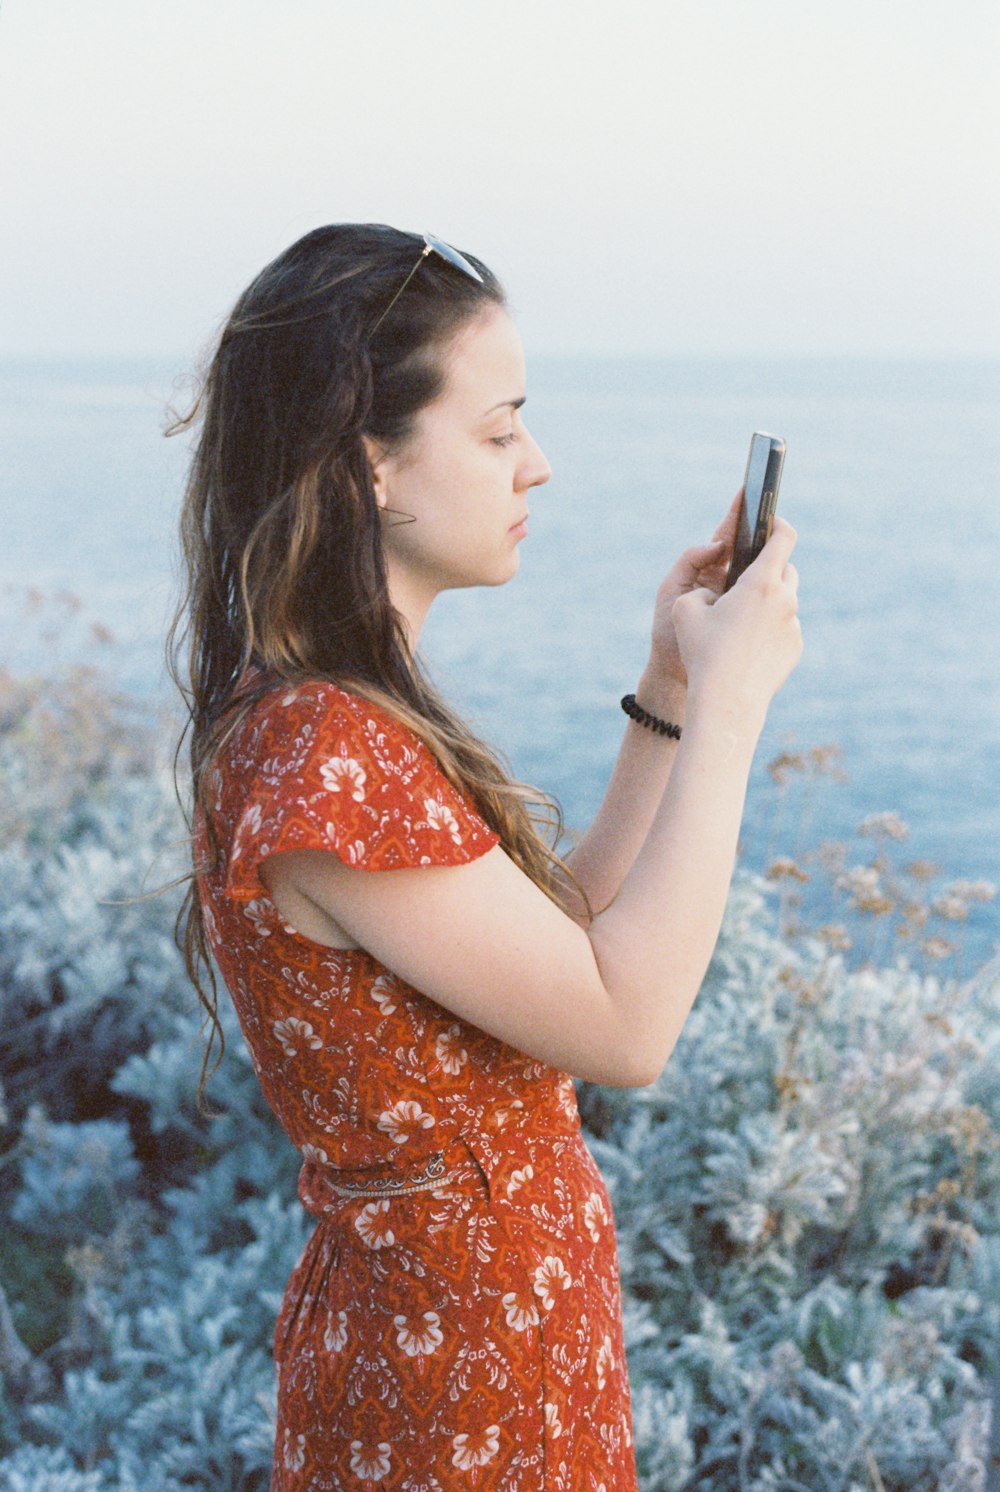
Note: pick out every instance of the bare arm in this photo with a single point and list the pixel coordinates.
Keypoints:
(677, 887)
(603, 856)
(607, 1003)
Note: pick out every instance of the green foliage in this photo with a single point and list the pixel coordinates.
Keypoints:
(806, 1202)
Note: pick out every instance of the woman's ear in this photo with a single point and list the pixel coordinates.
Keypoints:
(377, 461)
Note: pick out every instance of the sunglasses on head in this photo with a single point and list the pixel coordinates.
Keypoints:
(432, 245)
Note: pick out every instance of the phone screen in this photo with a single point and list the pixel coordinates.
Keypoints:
(760, 497)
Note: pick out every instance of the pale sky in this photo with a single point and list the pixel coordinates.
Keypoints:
(666, 177)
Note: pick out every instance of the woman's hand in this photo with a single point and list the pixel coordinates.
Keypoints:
(739, 649)
(704, 566)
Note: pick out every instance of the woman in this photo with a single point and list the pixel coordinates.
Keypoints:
(455, 1317)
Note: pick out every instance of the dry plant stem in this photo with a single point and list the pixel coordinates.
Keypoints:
(871, 1466)
(807, 818)
(774, 833)
(788, 899)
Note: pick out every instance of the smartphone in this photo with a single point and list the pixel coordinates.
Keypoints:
(760, 497)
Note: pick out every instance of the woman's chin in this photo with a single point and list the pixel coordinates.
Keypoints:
(511, 569)
(497, 574)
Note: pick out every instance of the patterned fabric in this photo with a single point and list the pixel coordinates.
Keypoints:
(455, 1318)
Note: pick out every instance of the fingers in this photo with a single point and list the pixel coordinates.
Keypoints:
(775, 554)
(727, 528)
(701, 555)
(696, 565)
(698, 596)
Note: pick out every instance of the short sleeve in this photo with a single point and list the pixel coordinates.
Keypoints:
(319, 768)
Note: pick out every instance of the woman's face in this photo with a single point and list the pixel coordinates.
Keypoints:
(463, 476)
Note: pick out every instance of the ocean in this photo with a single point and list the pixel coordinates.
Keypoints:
(891, 479)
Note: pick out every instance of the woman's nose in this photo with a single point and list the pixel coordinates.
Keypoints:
(534, 469)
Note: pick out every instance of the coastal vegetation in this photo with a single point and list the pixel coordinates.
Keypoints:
(807, 1202)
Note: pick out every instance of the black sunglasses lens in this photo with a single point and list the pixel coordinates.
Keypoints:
(453, 256)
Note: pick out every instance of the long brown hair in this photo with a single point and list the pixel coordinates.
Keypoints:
(281, 534)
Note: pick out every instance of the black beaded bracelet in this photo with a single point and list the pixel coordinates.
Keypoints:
(643, 717)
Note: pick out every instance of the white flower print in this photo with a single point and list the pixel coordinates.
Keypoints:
(404, 1118)
(567, 1099)
(440, 817)
(314, 1153)
(422, 1342)
(369, 1222)
(256, 911)
(344, 774)
(476, 1448)
(518, 1178)
(354, 852)
(502, 1115)
(609, 1434)
(551, 1275)
(292, 1030)
(382, 992)
(371, 1464)
(594, 1214)
(294, 1452)
(520, 1317)
(335, 1332)
(340, 1003)
(248, 826)
(605, 1361)
(450, 1052)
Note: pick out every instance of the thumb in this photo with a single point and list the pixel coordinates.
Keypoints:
(695, 599)
(701, 556)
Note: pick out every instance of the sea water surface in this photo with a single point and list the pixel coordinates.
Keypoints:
(891, 479)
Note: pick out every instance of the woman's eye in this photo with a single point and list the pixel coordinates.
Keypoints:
(504, 440)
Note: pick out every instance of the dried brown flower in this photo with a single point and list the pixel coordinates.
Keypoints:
(785, 868)
(783, 765)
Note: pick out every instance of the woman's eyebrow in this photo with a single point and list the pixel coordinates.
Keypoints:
(507, 404)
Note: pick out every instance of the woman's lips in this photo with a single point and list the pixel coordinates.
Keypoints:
(520, 528)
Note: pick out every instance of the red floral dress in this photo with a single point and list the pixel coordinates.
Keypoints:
(455, 1318)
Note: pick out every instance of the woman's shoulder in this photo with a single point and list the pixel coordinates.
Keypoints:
(314, 765)
(289, 720)
(317, 703)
